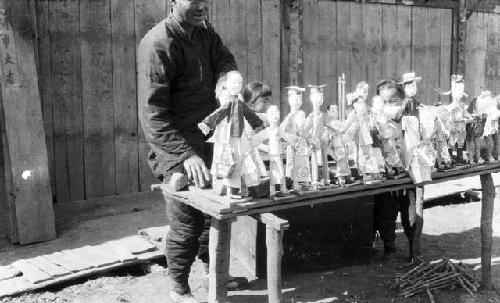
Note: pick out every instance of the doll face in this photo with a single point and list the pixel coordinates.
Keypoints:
(411, 89)
(273, 114)
(457, 90)
(294, 100)
(333, 112)
(234, 83)
(363, 91)
(224, 97)
(316, 100)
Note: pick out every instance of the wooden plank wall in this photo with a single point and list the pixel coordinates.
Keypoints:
(370, 42)
(87, 50)
(482, 54)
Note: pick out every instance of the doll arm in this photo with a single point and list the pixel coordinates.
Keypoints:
(260, 137)
(253, 119)
(216, 117)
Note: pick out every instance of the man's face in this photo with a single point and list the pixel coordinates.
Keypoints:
(388, 93)
(192, 12)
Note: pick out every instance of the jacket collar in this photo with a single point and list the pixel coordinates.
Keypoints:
(175, 27)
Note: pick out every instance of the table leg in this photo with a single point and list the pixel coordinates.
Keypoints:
(274, 243)
(488, 198)
(219, 247)
(419, 220)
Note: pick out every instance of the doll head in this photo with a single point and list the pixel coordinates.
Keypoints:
(258, 96)
(409, 83)
(295, 98)
(316, 96)
(224, 97)
(273, 115)
(457, 86)
(362, 89)
(333, 112)
(234, 82)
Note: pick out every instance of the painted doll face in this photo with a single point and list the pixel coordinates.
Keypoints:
(294, 100)
(316, 100)
(333, 112)
(224, 97)
(273, 114)
(457, 89)
(234, 83)
(362, 90)
(411, 89)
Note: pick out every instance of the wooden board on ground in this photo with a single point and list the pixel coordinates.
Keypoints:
(24, 125)
(119, 251)
(31, 272)
(48, 267)
(69, 261)
(135, 244)
(95, 255)
(19, 285)
(8, 272)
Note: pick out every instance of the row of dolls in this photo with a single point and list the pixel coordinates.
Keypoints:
(387, 139)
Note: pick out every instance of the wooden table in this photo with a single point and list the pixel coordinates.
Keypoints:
(223, 210)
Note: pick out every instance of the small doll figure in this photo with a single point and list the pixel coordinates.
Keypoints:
(459, 117)
(236, 145)
(337, 146)
(314, 129)
(274, 135)
(475, 130)
(297, 152)
(441, 134)
(358, 126)
(487, 106)
(410, 113)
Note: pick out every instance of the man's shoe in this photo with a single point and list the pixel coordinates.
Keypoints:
(186, 298)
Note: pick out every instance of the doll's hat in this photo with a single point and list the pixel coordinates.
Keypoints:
(410, 77)
(316, 88)
(296, 89)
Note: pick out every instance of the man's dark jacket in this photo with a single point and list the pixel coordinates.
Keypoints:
(176, 89)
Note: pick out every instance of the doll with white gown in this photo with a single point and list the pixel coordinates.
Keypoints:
(336, 145)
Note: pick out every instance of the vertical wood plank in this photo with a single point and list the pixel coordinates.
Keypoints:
(97, 90)
(238, 36)
(446, 51)
(419, 51)
(475, 54)
(343, 50)
(285, 77)
(310, 35)
(254, 41)
(357, 43)
(432, 55)
(219, 247)
(389, 42)
(45, 81)
(326, 51)
(124, 96)
(271, 46)
(403, 59)
(274, 244)
(147, 14)
(67, 99)
(493, 53)
(373, 31)
(293, 15)
(24, 125)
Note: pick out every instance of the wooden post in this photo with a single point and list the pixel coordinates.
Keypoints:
(488, 191)
(274, 243)
(219, 251)
(275, 227)
(416, 216)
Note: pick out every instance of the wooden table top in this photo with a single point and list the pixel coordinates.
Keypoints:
(222, 207)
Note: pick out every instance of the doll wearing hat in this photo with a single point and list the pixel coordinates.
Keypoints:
(297, 151)
(336, 145)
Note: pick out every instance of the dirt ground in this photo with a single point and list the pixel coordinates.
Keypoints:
(449, 231)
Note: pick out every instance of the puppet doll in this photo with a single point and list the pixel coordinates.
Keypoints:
(358, 126)
(486, 106)
(441, 135)
(459, 117)
(314, 129)
(410, 113)
(297, 152)
(236, 154)
(337, 147)
(274, 134)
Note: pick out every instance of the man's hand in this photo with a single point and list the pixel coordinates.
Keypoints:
(197, 171)
(204, 128)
